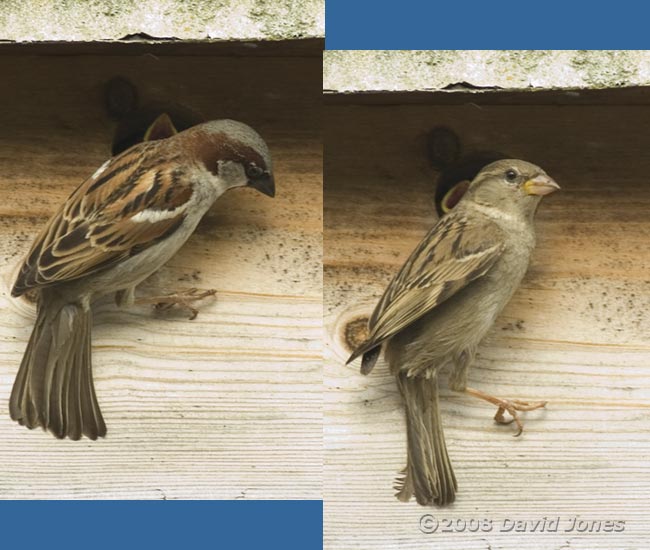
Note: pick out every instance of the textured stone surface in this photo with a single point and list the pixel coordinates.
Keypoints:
(90, 20)
(370, 71)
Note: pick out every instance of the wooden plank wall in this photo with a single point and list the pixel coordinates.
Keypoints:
(575, 334)
(225, 406)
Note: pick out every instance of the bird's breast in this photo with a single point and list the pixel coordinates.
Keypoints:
(462, 321)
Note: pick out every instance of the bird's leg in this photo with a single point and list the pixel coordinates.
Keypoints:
(507, 405)
(125, 297)
(183, 298)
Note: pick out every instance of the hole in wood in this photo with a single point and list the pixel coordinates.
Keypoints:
(135, 116)
(132, 129)
(445, 153)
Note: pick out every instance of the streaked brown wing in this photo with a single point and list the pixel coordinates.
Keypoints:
(94, 228)
(455, 252)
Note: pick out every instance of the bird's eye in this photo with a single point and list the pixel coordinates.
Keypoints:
(254, 171)
(511, 176)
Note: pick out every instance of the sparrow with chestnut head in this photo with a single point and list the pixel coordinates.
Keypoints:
(117, 228)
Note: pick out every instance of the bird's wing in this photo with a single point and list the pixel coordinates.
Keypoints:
(455, 252)
(133, 201)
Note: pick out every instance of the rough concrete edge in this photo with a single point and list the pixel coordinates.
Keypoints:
(35, 21)
(483, 71)
(151, 40)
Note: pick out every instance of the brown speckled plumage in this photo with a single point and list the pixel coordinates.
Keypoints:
(115, 229)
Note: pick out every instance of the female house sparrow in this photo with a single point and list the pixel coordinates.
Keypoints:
(442, 303)
(116, 229)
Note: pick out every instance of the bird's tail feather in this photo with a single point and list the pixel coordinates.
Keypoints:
(428, 474)
(54, 387)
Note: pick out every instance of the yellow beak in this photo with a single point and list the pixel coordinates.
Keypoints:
(540, 185)
(452, 196)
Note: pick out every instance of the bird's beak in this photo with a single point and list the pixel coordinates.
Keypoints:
(264, 184)
(540, 185)
(161, 128)
(454, 195)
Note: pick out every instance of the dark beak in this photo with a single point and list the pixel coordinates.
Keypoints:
(264, 184)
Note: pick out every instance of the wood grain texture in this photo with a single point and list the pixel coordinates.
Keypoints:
(227, 405)
(575, 334)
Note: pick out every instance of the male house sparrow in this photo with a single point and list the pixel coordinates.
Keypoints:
(113, 231)
(442, 303)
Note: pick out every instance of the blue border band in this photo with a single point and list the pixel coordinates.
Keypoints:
(485, 24)
(162, 524)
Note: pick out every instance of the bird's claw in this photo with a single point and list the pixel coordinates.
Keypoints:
(512, 407)
(182, 298)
